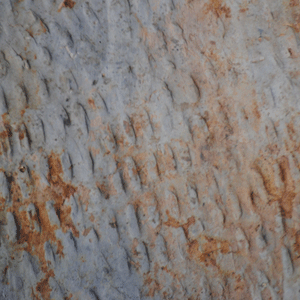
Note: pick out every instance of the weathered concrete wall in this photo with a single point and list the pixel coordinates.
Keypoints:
(149, 149)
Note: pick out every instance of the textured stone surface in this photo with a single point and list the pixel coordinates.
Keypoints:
(149, 149)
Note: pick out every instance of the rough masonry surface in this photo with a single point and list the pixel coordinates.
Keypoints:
(149, 149)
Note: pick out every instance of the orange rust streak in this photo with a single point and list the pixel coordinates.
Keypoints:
(66, 3)
(43, 286)
(172, 222)
(91, 103)
(218, 9)
(210, 250)
(31, 240)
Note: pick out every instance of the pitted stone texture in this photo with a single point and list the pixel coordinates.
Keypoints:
(149, 149)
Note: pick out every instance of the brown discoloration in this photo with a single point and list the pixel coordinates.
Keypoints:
(218, 8)
(37, 28)
(134, 245)
(285, 193)
(5, 271)
(294, 3)
(289, 194)
(60, 191)
(69, 297)
(92, 218)
(43, 286)
(84, 195)
(172, 222)
(33, 241)
(291, 130)
(104, 189)
(67, 4)
(60, 249)
(21, 135)
(3, 134)
(15, 189)
(55, 168)
(66, 221)
(240, 287)
(128, 128)
(242, 10)
(30, 32)
(30, 239)
(266, 293)
(152, 285)
(297, 242)
(44, 29)
(86, 231)
(256, 111)
(94, 151)
(91, 103)
(210, 249)
(265, 168)
(2, 204)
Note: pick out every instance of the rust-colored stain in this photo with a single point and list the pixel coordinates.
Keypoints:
(210, 246)
(60, 249)
(265, 168)
(210, 249)
(21, 135)
(66, 3)
(240, 287)
(172, 222)
(128, 128)
(152, 285)
(91, 103)
(37, 29)
(43, 286)
(30, 32)
(284, 194)
(256, 111)
(289, 194)
(3, 134)
(69, 297)
(55, 169)
(33, 241)
(86, 231)
(291, 130)
(5, 270)
(297, 242)
(218, 8)
(84, 196)
(242, 10)
(44, 29)
(30, 239)
(294, 3)
(92, 218)
(104, 189)
(60, 192)
(69, 3)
